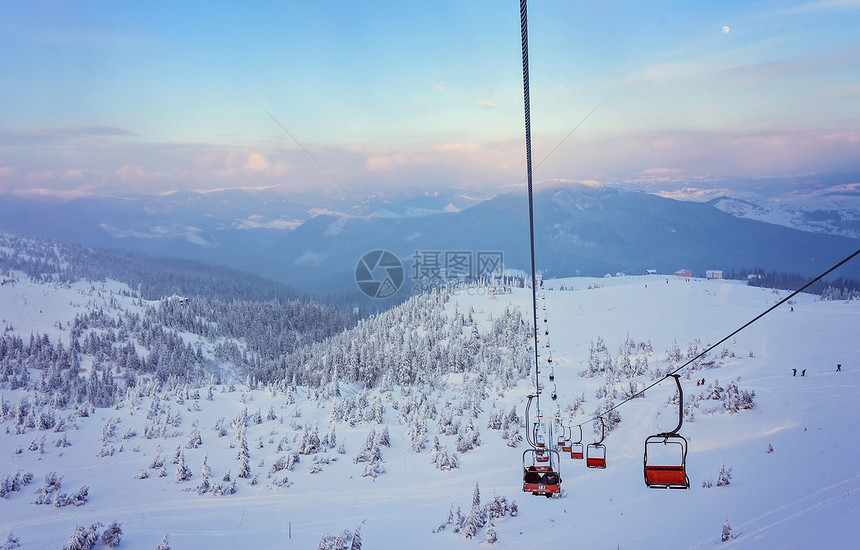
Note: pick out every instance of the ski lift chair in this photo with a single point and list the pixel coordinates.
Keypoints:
(576, 451)
(595, 453)
(541, 478)
(564, 442)
(667, 466)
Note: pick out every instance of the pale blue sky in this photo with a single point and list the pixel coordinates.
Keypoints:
(114, 97)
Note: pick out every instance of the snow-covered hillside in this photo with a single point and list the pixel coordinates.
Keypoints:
(347, 440)
(832, 211)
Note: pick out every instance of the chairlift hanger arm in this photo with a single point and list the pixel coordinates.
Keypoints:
(677, 378)
(602, 431)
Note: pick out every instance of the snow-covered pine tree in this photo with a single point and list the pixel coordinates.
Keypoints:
(491, 537)
(83, 538)
(194, 440)
(727, 531)
(243, 456)
(205, 473)
(11, 542)
(164, 544)
(342, 541)
(183, 472)
(469, 527)
(79, 497)
(724, 477)
(675, 352)
(356, 538)
(111, 536)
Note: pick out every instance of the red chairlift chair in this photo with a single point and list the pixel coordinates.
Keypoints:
(595, 453)
(659, 474)
(576, 450)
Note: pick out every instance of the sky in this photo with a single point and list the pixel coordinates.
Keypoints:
(354, 97)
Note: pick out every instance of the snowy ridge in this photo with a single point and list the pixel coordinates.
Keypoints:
(349, 437)
(833, 211)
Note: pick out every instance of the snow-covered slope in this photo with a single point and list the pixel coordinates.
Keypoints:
(806, 493)
(833, 211)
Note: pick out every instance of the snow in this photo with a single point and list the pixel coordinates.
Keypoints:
(806, 493)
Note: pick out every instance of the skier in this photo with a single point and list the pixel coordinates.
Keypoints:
(803, 372)
(838, 367)
(794, 373)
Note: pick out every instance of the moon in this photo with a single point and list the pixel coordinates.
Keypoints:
(726, 29)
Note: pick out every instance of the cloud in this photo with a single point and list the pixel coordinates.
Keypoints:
(468, 156)
(256, 163)
(650, 160)
(488, 104)
(132, 172)
(73, 174)
(52, 134)
(439, 87)
(41, 176)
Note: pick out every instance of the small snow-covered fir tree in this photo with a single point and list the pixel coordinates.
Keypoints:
(111, 536)
(11, 542)
(513, 436)
(373, 470)
(724, 477)
(356, 538)
(164, 544)
(83, 538)
(469, 527)
(51, 488)
(342, 541)
(205, 470)
(491, 536)
(243, 456)
(183, 472)
(79, 497)
(727, 531)
(194, 440)
(327, 543)
(384, 436)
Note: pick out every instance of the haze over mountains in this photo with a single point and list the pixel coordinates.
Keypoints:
(314, 241)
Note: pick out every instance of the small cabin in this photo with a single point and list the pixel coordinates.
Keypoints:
(684, 273)
(714, 274)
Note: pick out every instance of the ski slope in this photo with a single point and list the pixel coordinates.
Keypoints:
(806, 493)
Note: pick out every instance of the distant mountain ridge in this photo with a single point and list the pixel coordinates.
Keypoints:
(579, 230)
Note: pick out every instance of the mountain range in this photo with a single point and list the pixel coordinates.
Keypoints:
(314, 242)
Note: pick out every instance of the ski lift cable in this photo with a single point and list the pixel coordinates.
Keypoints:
(735, 332)
(524, 32)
